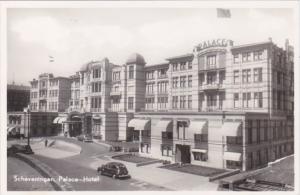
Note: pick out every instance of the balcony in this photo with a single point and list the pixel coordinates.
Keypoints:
(115, 110)
(96, 110)
(216, 86)
(115, 93)
(75, 109)
(43, 97)
(213, 109)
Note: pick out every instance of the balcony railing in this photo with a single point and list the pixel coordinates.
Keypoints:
(211, 86)
(96, 109)
(115, 93)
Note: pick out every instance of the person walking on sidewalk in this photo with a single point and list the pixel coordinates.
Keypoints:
(46, 142)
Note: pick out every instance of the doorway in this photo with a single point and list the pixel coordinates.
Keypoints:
(183, 153)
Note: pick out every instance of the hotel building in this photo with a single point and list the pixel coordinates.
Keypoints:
(221, 105)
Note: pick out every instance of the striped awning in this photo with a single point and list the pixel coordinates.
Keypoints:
(232, 129)
(59, 120)
(233, 156)
(139, 124)
(164, 125)
(198, 127)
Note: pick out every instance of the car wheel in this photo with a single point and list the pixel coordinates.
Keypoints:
(114, 177)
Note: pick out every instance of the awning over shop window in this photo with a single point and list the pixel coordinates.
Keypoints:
(61, 120)
(233, 156)
(139, 124)
(198, 127)
(56, 120)
(96, 117)
(199, 150)
(11, 129)
(232, 129)
(164, 125)
(76, 116)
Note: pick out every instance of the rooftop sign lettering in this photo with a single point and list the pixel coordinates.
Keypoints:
(213, 43)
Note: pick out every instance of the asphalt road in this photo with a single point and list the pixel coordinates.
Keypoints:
(18, 168)
(78, 166)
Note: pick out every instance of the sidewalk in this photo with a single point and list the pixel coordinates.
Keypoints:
(172, 180)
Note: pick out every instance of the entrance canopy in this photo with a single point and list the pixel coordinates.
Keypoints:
(139, 124)
(59, 120)
(233, 156)
(232, 129)
(164, 125)
(198, 127)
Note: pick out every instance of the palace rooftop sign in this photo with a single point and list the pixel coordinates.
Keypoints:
(213, 43)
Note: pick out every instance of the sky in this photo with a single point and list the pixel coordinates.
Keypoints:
(74, 36)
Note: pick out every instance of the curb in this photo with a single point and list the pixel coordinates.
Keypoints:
(45, 171)
(103, 144)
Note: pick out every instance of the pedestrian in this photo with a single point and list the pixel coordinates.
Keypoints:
(46, 142)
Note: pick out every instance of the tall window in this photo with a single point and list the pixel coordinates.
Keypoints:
(150, 75)
(190, 65)
(131, 73)
(246, 99)
(174, 101)
(130, 103)
(175, 82)
(249, 132)
(236, 58)
(236, 76)
(257, 74)
(182, 101)
(116, 76)
(211, 61)
(162, 102)
(190, 80)
(182, 65)
(190, 101)
(150, 103)
(201, 79)
(175, 66)
(182, 81)
(211, 77)
(96, 102)
(235, 100)
(257, 55)
(96, 73)
(96, 87)
(246, 75)
(246, 56)
(162, 73)
(258, 99)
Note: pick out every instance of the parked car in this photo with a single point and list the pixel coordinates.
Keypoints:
(85, 138)
(114, 170)
(18, 148)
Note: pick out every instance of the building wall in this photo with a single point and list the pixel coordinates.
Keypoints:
(18, 97)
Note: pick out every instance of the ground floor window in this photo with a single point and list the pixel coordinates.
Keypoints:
(233, 164)
(166, 150)
(199, 156)
(145, 148)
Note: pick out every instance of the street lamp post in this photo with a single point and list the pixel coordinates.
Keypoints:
(28, 148)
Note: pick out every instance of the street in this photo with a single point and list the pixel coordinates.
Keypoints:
(17, 167)
(78, 166)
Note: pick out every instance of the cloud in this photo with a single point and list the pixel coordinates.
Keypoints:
(45, 30)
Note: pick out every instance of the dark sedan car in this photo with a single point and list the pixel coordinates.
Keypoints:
(114, 170)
